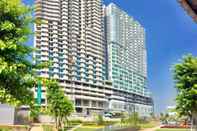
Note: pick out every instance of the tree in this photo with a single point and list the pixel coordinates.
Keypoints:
(17, 72)
(164, 117)
(58, 105)
(34, 113)
(185, 75)
(134, 119)
(16, 76)
(99, 119)
(161, 117)
(152, 116)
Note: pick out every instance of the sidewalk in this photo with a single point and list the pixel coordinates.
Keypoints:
(36, 128)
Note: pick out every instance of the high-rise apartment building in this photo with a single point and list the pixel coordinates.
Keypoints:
(70, 35)
(90, 48)
(127, 64)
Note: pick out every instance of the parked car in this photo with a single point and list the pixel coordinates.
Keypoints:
(109, 115)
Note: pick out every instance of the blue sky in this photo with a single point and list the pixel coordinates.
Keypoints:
(170, 33)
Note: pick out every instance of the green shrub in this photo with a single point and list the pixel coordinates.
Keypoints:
(76, 121)
(107, 123)
(4, 129)
(99, 120)
(89, 123)
(34, 113)
(47, 128)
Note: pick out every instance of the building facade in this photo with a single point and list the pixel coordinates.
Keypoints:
(70, 35)
(98, 64)
(127, 64)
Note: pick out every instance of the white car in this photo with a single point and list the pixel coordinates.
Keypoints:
(108, 115)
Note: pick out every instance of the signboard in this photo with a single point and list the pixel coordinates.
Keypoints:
(39, 93)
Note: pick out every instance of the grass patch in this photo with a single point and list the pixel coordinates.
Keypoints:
(95, 127)
(47, 128)
(141, 125)
(85, 129)
(149, 124)
(5, 129)
(167, 129)
(89, 128)
(104, 123)
(13, 128)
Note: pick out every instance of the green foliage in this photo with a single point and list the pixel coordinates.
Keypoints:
(185, 75)
(8, 98)
(149, 124)
(47, 128)
(34, 113)
(5, 129)
(166, 129)
(164, 117)
(152, 116)
(59, 105)
(17, 76)
(78, 121)
(99, 120)
(88, 129)
(14, 128)
(133, 120)
(89, 123)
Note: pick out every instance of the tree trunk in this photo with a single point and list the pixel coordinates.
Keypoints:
(194, 121)
(56, 126)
